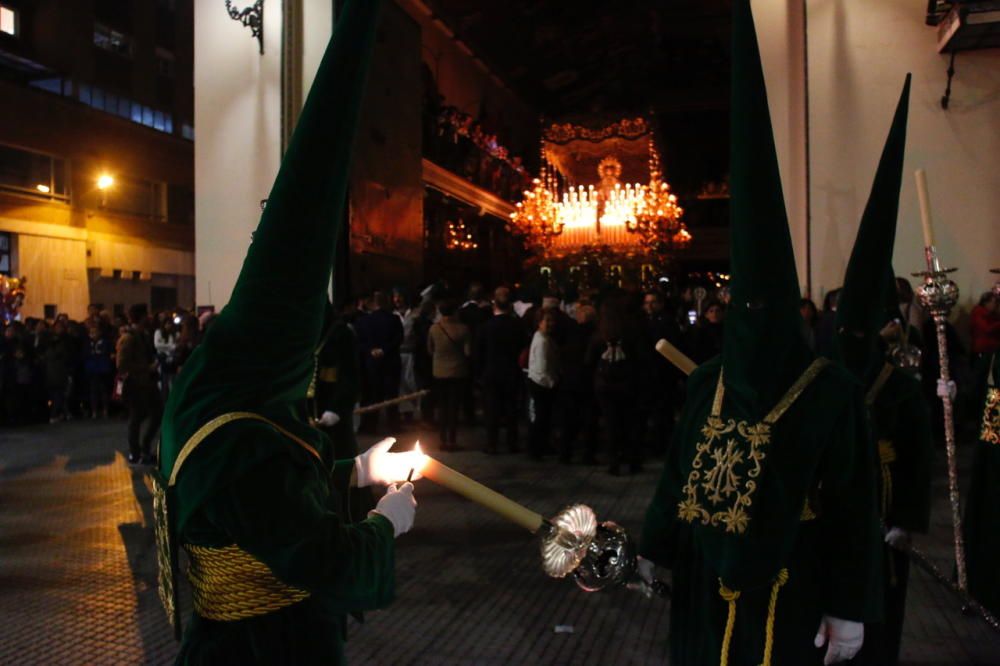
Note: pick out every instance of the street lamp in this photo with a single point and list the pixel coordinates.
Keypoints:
(104, 182)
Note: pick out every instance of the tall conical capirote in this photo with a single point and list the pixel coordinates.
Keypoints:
(764, 349)
(861, 312)
(258, 354)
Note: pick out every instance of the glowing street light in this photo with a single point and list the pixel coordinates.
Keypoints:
(44, 189)
(104, 182)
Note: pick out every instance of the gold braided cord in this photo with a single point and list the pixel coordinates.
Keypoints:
(199, 436)
(771, 607)
(720, 393)
(230, 584)
(797, 388)
(878, 384)
(730, 597)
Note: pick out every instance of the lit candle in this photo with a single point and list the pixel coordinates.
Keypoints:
(477, 492)
(925, 207)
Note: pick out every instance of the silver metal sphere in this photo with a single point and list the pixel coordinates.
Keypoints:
(610, 559)
(938, 294)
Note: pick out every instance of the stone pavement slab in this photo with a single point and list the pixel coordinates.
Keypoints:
(77, 568)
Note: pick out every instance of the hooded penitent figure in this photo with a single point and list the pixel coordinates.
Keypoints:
(981, 522)
(274, 568)
(900, 420)
(766, 508)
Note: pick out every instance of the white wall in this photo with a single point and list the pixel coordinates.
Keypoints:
(237, 147)
(859, 53)
(781, 38)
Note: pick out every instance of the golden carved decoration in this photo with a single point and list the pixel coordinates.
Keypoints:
(991, 417)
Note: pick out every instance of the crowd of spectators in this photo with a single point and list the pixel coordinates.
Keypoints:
(569, 374)
(102, 367)
(550, 372)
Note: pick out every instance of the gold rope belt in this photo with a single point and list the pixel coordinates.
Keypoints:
(731, 597)
(231, 584)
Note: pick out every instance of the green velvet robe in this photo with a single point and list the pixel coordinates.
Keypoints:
(981, 522)
(900, 421)
(274, 500)
(247, 484)
(820, 450)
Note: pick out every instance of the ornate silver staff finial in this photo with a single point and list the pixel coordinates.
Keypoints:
(599, 555)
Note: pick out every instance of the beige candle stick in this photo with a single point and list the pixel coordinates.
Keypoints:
(676, 356)
(459, 483)
(925, 207)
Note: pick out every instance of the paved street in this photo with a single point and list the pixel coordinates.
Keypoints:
(77, 569)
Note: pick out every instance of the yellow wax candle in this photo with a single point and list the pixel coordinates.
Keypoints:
(676, 356)
(925, 207)
(477, 492)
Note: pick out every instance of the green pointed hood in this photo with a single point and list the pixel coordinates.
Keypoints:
(763, 347)
(869, 284)
(258, 354)
(293, 250)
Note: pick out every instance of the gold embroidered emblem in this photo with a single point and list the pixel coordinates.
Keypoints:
(991, 417)
(727, 462)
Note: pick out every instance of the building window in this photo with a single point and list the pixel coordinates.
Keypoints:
(132, 196)
(112, 40)
(31, 173)
(5, 244)
(8, 21)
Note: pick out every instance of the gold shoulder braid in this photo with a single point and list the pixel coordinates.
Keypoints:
(878, 384)
(728, 461)
(228, 583)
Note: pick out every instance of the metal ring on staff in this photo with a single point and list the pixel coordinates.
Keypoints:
(389, 403)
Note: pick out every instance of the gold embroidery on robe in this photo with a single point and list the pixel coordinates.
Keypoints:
(729, 459)
(991, 417)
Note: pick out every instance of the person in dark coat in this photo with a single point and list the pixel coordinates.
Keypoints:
(659, 393)
(380, 335)
(475, 312)
(97, 369)
(498, 347)
(58, 359)
(575, 393)
(615, 356)
(136, 361)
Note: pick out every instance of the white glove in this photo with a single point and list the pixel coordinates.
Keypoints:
(377, 465)
(845, 638)
(898, 538)
(329, 419)
(645, 569)
(399, 507)
(946, 389)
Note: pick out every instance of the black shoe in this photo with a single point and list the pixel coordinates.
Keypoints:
(565, 460)
(614, 470)
(590, 460)
(490, 450)
(635, 468)
(134, 460)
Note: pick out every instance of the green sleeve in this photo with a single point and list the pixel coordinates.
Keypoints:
(851, 548)
(278, 512)
(911, 472)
